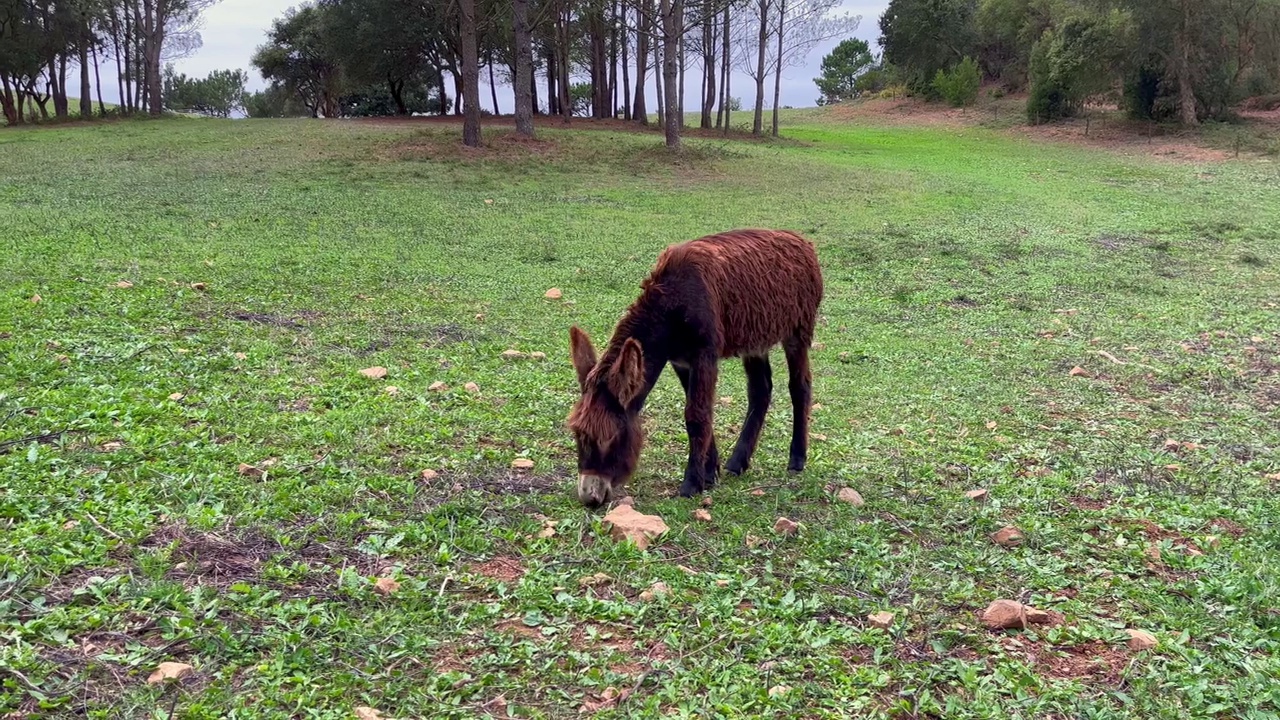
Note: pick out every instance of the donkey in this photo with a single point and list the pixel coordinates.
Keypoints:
(734, 294)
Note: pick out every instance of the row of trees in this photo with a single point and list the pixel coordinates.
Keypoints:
(1184, 59)
(342, 57)
(43, 41)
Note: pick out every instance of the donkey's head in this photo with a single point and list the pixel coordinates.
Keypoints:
(606, 419)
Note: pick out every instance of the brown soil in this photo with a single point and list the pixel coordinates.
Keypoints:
(1092, 662)
(503, 568)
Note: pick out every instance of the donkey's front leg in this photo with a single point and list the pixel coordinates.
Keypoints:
(703, 465)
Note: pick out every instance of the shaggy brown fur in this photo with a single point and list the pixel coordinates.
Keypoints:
(735, 294)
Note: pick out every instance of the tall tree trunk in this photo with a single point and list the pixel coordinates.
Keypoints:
(613, 59)
(397, 95)
(562, 62)
(153, 27)
(470, 73)
(660, 70)
(493, 86)
(626, 62)
(672, 29)
(757, 124)
(6, 100)
(444, 96)
(86, 91)
(680, 83)
(553, 79)
(640, 113)
(97, 80)
(723, 111)
(459, 93)
(1186, 90)
(777, 72)
(122, 62)
(525, 87)
(708, 67)
(533, 92)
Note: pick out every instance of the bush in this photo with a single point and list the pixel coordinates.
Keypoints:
(1069, 64)
(960, 85)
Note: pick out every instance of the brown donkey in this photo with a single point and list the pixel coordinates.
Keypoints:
(736, 294)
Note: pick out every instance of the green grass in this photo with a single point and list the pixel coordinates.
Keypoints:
(967, 273)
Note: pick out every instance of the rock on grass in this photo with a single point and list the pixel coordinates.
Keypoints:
(1006, 614)
(624, 523)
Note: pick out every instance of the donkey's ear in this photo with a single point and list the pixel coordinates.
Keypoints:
(626, 377)
(584, 355)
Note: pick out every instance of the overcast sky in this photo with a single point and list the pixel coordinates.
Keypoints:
(233, 29)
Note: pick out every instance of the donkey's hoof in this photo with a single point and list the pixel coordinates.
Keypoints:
(689, 489)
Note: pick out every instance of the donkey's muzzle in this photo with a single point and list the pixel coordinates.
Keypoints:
(593, 490)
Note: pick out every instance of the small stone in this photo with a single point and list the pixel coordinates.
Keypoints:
(1078, 371)
(977, 494)
(537, 355)
(1037, 617)
(385, 585)
(624, 523)
(757, 493)
(777, 690)
(553, 294)
(124, 284)
(656, 590)
(783, 526)
(240, 356)
(248, 470)
(754, 542)
(36, 299)
(628, 500)
(1172, 445)
(429, 475)
(522, 464)
(701, 515)
(850, 496)
(437, 386)
(1008, 537)
(1140, 640)
(1004, 614)
(176, 396)
(199, 286)
(512, 354)
(594, 580)
(169, 671)
(881, 620)
(367, 713)
(471, 388)
(722, 583)
(374, 373)
(70, 524)
(392, 390)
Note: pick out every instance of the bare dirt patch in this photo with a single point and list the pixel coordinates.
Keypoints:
(1093, 662)
(217, 559)
(503, 568)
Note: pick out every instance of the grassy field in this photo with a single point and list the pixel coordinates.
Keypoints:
(192, 468)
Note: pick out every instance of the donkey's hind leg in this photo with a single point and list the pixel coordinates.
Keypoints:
(759, 395)
(801, 387)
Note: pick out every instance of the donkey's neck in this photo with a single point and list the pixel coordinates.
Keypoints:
(645, 322)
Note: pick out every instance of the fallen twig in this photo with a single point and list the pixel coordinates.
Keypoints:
(43, 437)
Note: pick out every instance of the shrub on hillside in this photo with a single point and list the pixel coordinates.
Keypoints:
(959, 86)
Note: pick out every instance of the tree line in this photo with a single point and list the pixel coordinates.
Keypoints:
(348, 57)
(43, 41)
(1182, 60)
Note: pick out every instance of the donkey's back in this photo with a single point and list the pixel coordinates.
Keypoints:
(760, 287)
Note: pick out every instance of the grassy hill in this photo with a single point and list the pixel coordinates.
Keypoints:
(194, 470)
